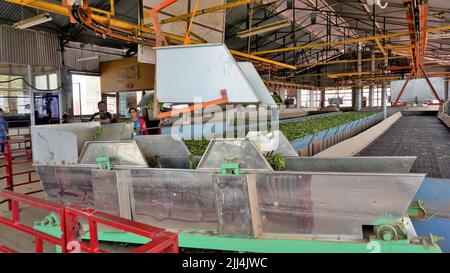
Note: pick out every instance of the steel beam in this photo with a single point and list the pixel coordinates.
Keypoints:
(348, 41)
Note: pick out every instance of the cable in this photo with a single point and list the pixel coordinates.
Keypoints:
(30, 85)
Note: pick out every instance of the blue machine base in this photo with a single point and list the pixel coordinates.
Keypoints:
(436, 196)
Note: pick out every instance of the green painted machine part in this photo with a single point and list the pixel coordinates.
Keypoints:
(104, 163)
(417, 212)
(230, 167)
(98, 132)
(197, 240)
(389, 232)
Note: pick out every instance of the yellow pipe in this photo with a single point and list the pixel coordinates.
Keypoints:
(288, 84)
(352, 61)
(338, 75)
(256, 58)
(331, 74)
(59, 9)
(349, 41)
(380, 46)
(204, 11)
(315, 88)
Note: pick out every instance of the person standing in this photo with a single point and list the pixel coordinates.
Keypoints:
(3, 130)
(102, 115)
(137, 121)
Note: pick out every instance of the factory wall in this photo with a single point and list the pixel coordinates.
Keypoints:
(28, 47)
(127, 75)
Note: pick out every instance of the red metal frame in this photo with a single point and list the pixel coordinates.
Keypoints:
(162, 241)
(9, 154)
(160, 39)
(14, 200)
(430, 84)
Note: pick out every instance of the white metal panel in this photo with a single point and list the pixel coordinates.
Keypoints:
(257, 83)
(187, 74)
(418, 88)
(146, 54)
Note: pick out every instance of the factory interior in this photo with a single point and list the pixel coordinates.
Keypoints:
(224, 126)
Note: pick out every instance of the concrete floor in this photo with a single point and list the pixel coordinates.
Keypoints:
(9, 237)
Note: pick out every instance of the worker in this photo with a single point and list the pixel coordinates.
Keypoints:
(277, 98)
(65, 118)
(102, 115)
(3, 130)
(138, 122)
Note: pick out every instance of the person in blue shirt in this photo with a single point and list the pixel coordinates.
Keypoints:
(3, 130)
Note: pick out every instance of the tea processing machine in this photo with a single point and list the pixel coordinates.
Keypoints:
(231, 198)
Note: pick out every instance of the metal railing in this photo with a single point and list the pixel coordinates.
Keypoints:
(160, 240)
(17, 152)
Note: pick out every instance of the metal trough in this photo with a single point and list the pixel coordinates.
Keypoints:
(326, 199)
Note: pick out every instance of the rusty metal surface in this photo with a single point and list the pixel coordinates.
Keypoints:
(233, 206)
(81, 186)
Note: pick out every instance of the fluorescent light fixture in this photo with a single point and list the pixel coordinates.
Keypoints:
(264, 28)
(33, 21)
(88, 58)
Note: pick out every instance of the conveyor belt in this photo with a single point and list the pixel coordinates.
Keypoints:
(423, 136)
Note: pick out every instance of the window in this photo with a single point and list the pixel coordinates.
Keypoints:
(111, 104)
(86, 93)
(127, 100)
(13, 98)
(46, 81)
(345, 94)
(41, 82)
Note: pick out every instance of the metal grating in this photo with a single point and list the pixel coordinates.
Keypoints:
(422, 136)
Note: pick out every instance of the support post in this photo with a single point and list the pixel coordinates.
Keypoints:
(299, 98)
(384, 95)
(30, 80)
(403, 88)
(358, 90)
(430, 84)
(372, 87)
